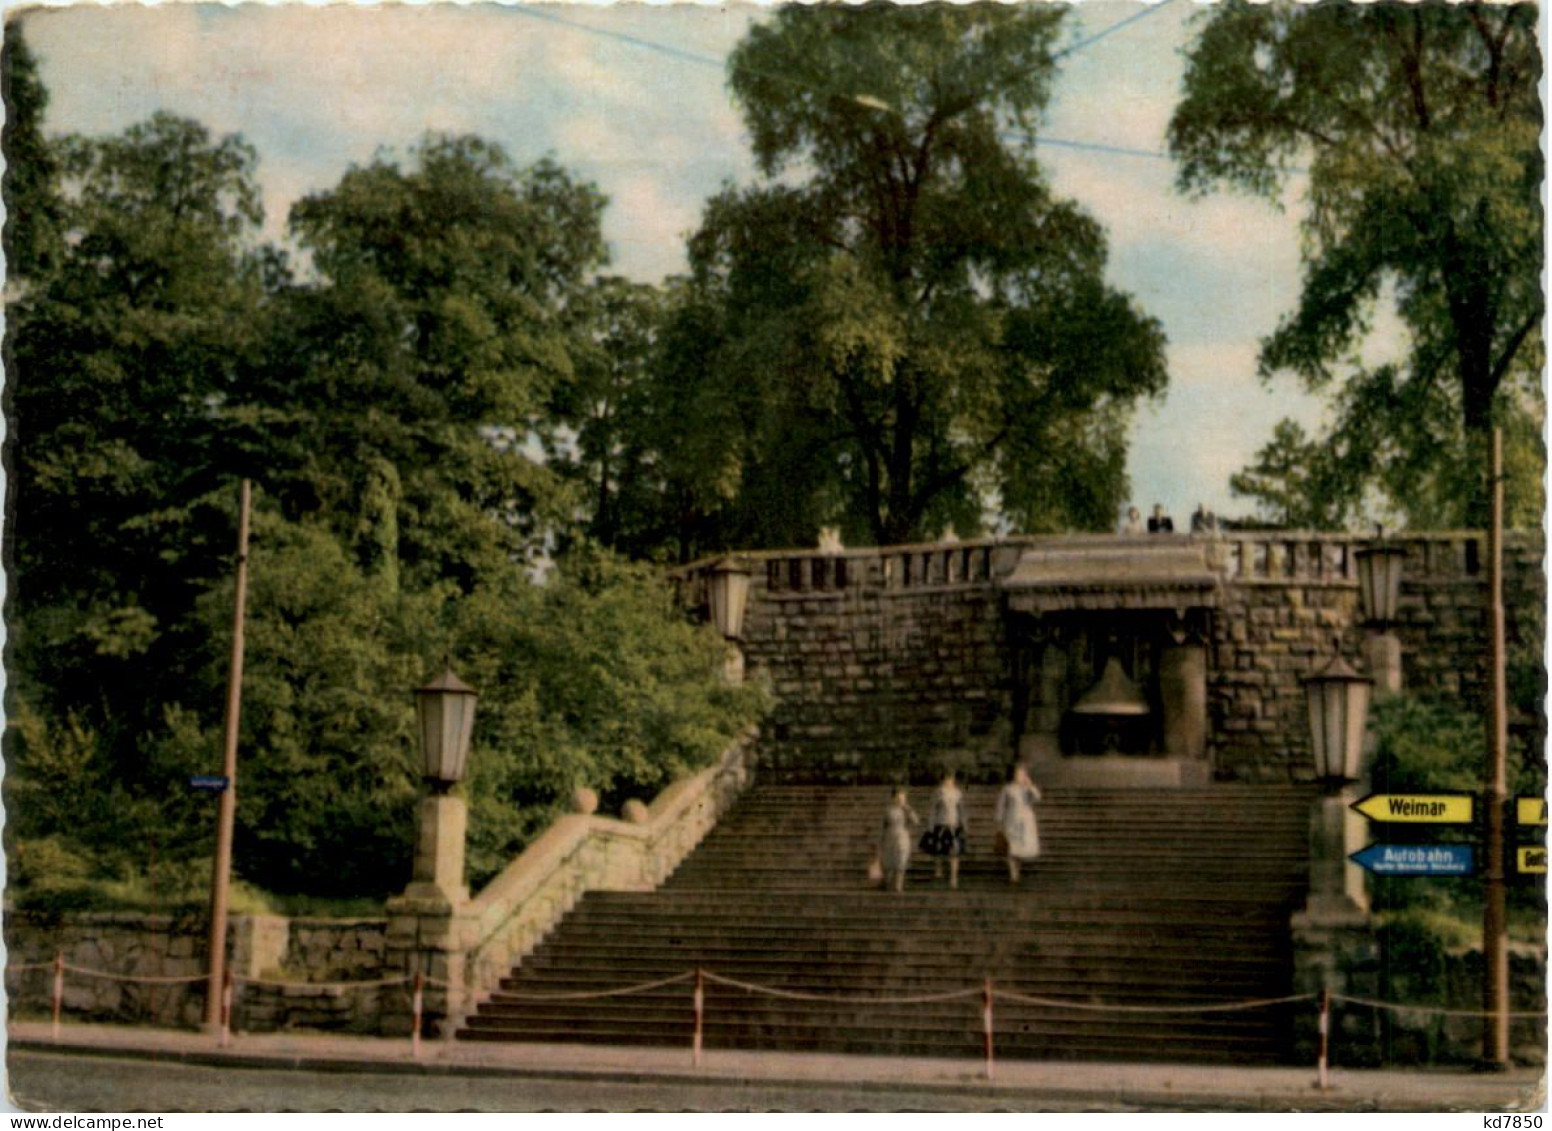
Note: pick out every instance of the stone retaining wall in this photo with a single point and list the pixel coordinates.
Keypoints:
(318, 974)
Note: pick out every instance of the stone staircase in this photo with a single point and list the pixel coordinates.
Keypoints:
(1141, 899)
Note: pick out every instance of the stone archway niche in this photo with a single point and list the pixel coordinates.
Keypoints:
(1140, 608)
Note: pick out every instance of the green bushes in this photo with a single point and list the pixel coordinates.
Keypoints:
(591, 677)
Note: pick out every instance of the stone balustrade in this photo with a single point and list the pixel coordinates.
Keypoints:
(578, 853)
(1246, 557)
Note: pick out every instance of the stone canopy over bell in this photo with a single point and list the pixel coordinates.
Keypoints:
(1114, 694)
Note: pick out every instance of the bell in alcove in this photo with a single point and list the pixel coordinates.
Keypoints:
(1112, 717)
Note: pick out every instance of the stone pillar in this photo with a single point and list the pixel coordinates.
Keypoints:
(427, 932)
(431, 937)
(1183, 689)
(439, 848)
(1041, 736)
(1335, 947)
(1382, 658)
(1336, 883)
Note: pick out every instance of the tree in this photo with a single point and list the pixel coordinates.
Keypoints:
(1419, 126)
(1292, 481)
(432, 352)
(390, 408)
(907, 324)
(32, 227)
(609, 407)
(124, 357)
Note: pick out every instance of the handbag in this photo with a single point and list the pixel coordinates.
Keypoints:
(1001, 845)
(875, 870)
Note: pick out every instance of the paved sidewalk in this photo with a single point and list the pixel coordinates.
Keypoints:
(1140, 1085)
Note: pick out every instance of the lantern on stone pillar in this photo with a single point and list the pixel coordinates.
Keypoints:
(1379, 580)
(727, 591)
(1379, 591)
(446, 710)
(1338, 716)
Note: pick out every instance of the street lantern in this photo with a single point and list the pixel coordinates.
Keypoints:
(1379, 579)
(446, 709)
(1338, 714)
(727, 589)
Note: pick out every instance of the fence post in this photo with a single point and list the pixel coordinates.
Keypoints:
(986, 1022)
(417, 1005)
(700, 1016)
(226, 1008)
(1325, 1038)
(59, 988)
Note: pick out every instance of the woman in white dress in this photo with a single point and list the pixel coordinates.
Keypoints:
(1016, 820)
(894, 840)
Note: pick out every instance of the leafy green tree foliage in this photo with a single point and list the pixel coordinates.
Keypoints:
(903, 322)
(1419, 126)
(432, 353)
(590, 678)
(32, 225)
(123, 360)
(593, 678)
(391, 408)
(610, 408)
(1292, 482)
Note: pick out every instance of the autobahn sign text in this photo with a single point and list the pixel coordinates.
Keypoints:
(1417, 859)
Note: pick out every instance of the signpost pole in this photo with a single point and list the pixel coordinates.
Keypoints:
(221, 877)
(1495, 937)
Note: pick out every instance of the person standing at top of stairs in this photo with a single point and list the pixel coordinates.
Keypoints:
(894, 839)
(945, 838)
(1016, 820)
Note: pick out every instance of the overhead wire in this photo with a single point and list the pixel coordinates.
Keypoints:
(711, 61)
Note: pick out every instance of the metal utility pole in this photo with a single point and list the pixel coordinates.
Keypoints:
(1495, 930)
(221, 878)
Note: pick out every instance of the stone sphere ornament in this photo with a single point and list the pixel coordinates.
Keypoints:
(584, 800)
(635, 812)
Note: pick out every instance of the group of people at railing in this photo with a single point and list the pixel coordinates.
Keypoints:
(1159, 522)
(946, 837)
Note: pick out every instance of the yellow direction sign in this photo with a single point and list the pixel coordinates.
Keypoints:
(1415, 809)
(1530, 810)
(1531, 858)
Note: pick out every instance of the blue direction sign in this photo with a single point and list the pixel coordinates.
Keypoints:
(1416, 859)
(211, 783)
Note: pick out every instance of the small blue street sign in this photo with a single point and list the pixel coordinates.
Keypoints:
(1416, 859)
(210, 783)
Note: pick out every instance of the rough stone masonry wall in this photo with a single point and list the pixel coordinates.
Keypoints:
(264, 949)
(885, 660)
(1288, 599)
(877, 679)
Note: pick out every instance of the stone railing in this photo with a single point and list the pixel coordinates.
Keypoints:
(1251, 557)
(1284, 557)
(582, 853)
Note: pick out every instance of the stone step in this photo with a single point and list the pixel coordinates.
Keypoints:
(1052, 1043)
(1048, 936)
(1006, 899)
(1141, 899)
(902, 1023)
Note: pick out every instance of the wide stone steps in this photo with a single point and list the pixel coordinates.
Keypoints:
(1150, 901)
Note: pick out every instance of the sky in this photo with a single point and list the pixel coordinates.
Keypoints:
(633, 97)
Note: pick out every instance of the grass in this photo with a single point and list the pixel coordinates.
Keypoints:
(135, 894)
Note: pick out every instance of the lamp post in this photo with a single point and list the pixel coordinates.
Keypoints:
(727, 593)
(1338, 701)
(1338, 715)
(445, 709)
(1379, 593)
